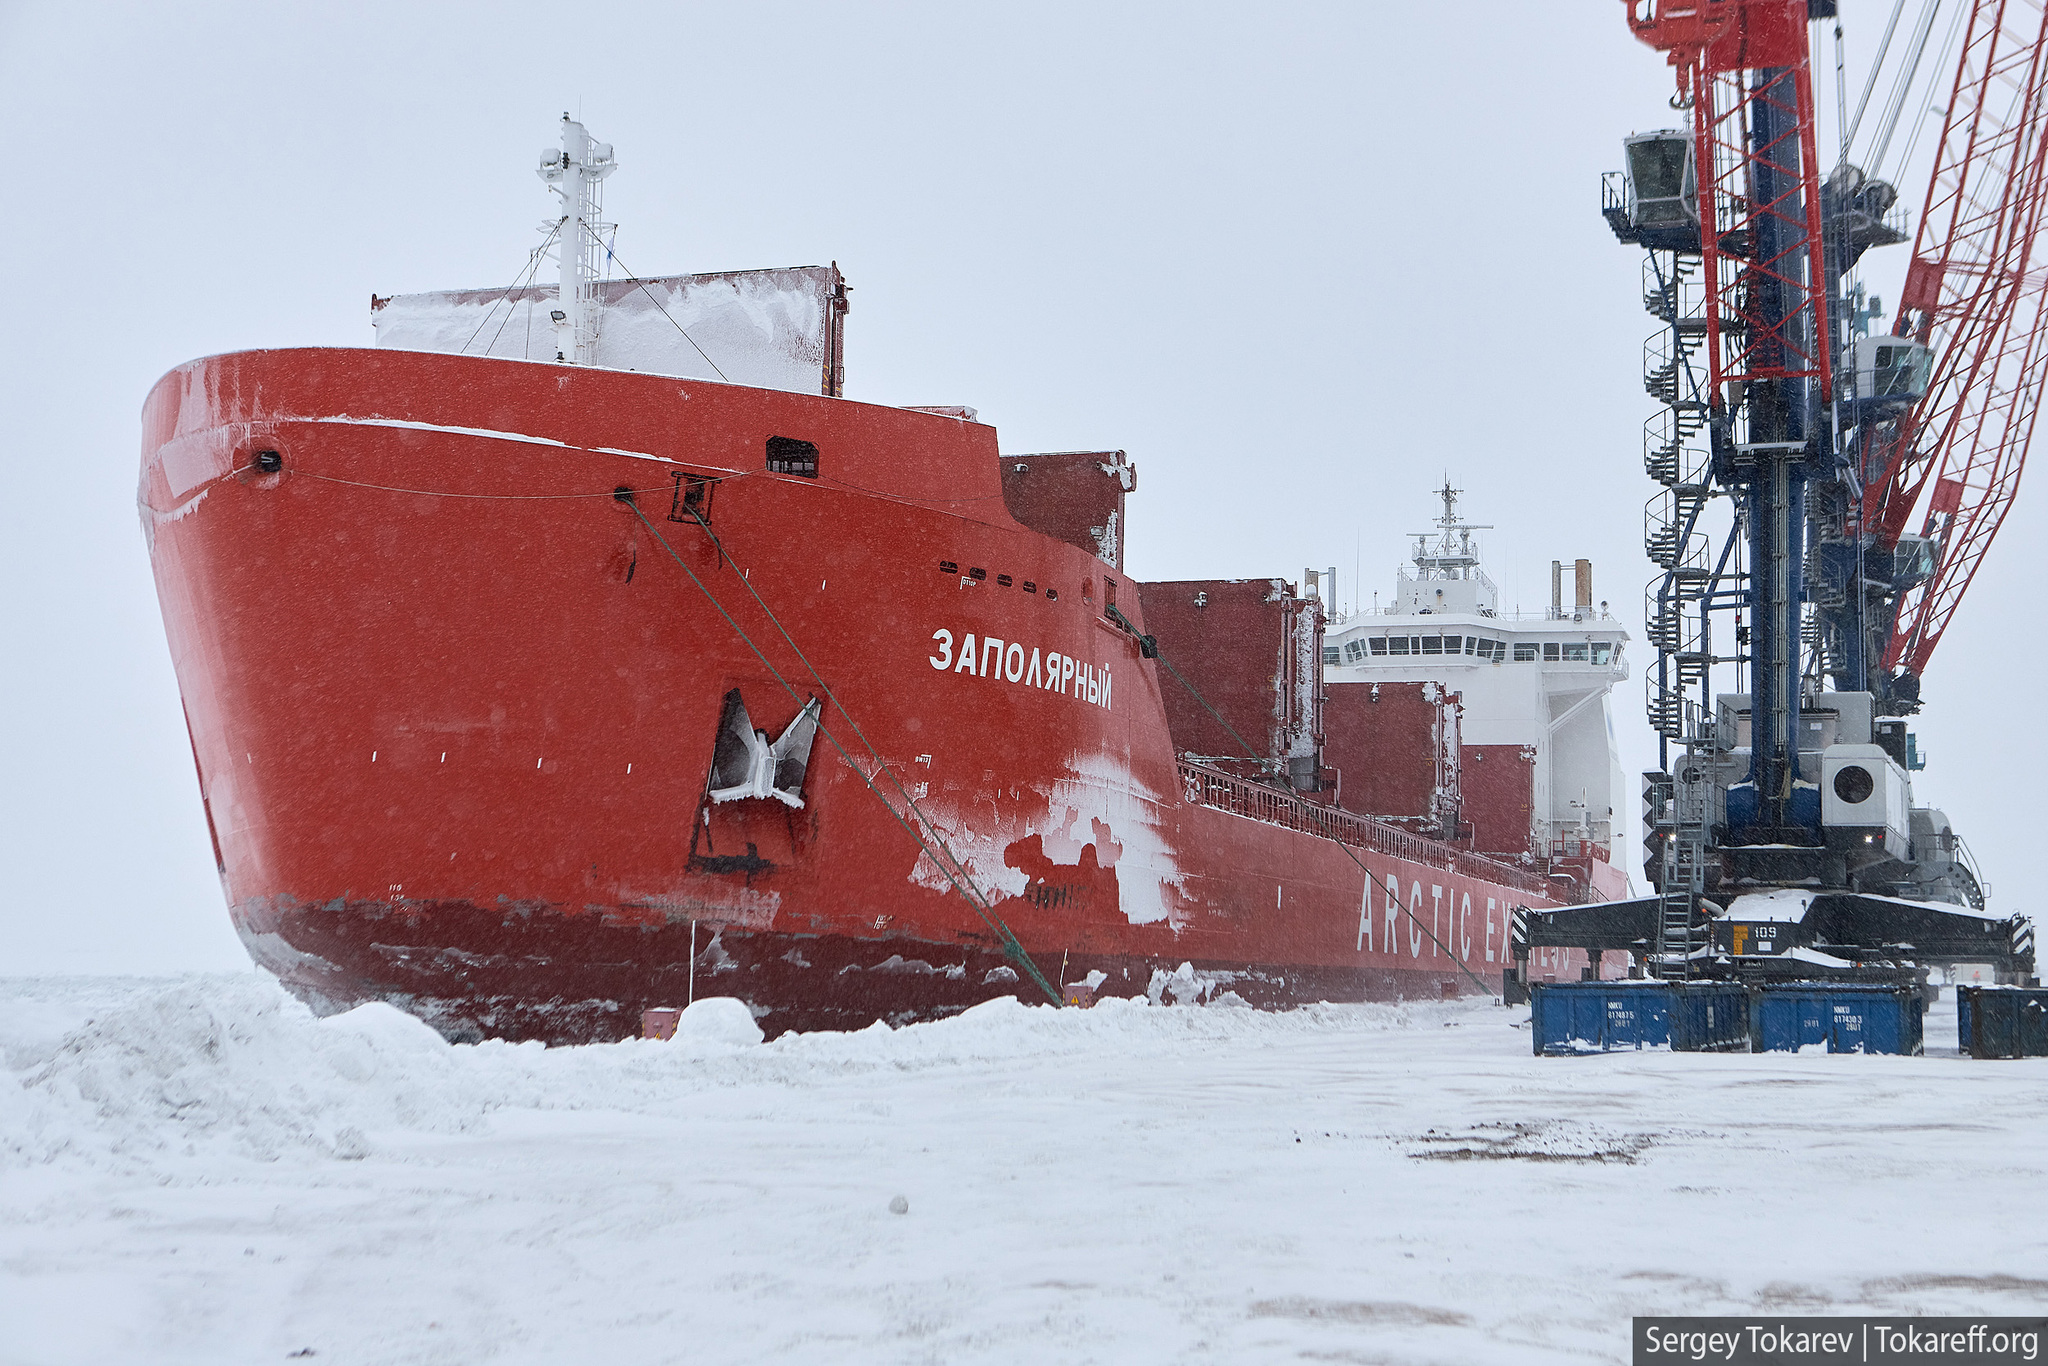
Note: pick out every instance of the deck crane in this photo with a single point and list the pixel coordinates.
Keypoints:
(1780, 831)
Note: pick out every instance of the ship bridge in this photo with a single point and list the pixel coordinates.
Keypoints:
(1529, 767)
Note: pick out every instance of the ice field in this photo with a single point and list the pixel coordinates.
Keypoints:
(195, 1170)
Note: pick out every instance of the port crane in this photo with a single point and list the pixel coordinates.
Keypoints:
(1865, 477)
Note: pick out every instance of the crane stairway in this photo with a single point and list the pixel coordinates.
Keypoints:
(1672, 535)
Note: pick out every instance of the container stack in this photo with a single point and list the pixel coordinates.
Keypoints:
(1697, 1017)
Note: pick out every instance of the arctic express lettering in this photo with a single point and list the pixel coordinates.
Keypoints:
(1450, 921)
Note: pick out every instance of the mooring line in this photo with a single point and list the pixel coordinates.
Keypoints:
(1011, 947)
(881, 767)
(1148, 646)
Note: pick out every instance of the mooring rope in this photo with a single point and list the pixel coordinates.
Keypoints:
(1148, 646)
(962, 882)
(957, 873)
(747, 582)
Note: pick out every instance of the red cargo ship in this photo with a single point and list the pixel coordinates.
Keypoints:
(527, 695)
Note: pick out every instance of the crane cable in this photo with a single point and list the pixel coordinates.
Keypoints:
(956, 873)
(1876, 67)
(1903, 88)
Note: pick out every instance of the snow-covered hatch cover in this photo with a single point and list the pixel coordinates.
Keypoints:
(771, 329)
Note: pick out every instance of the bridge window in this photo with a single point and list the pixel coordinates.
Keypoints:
(1603, 651)
(1550, 652)
(1575, 653)
(1525, 654)
(1378, 644)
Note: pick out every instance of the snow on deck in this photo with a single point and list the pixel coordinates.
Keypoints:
(1780, 903)
(765, 328)
(196, 1170)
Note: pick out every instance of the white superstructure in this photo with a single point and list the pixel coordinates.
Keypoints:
(1537, 681)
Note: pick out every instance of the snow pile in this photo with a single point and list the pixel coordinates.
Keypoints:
(233, 1064)
(718, 1020)
(1780, 903)
(225, 1061)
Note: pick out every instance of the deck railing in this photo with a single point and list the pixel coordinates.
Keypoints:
(1256, 801)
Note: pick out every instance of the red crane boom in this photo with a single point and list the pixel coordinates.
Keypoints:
(1971, 293)
(1715, 48)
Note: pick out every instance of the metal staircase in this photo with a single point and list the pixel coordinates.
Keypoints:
(1675, 615)
(1675, 824)
(1674, 610)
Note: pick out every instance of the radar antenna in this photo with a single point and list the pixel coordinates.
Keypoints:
(1453, 556)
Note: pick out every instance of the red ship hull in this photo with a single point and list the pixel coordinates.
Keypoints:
(453, 705)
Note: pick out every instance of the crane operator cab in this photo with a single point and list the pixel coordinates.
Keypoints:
(1890, 375)
(1663, 190)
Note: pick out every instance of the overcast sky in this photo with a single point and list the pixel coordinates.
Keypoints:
(1300, 262)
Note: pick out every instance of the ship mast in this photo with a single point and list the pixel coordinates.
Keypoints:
(1453, 556)
(577, 173)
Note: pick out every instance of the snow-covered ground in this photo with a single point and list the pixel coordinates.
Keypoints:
(195, 1170)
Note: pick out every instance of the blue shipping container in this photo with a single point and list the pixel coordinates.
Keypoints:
(1605, 1017)
(1841, 1019)
(2002, 1022)
(1710, 1017)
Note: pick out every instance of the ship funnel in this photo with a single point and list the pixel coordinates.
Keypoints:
(1582, 589)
